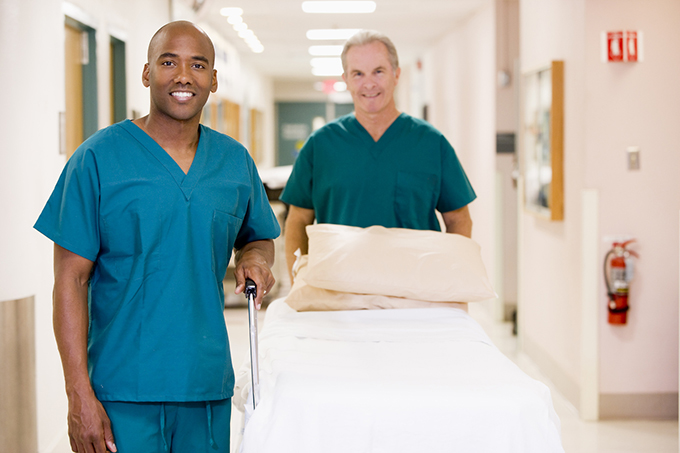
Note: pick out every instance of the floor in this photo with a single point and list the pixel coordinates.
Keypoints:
(577, 436)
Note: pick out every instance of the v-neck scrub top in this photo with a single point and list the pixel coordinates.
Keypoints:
(161, 241)
(399, 181)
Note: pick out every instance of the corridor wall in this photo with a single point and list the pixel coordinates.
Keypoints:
(608, 107)
(459, 74)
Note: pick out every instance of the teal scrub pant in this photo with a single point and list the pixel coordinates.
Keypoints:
(170, 427)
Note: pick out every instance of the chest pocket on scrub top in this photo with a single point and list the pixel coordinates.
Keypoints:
(415, 198)
(225, 228)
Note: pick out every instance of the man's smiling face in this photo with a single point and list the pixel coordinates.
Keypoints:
(370, 78)
(180, 72)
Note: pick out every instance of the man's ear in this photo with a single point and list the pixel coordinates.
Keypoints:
(145, 75)
(213, 87)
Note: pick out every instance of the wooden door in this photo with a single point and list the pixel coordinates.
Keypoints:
(74, 89)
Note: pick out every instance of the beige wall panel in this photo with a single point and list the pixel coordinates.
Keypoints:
(18, 431)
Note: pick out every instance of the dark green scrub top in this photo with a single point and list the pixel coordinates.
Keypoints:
(161, 241)
(398, 182)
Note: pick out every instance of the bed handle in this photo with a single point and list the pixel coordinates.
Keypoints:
(251, 293)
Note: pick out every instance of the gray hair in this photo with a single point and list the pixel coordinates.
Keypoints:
(367, 37)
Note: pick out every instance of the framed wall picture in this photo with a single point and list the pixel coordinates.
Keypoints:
(542, 137)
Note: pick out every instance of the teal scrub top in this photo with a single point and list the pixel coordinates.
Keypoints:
(399, 181)
(161, 241)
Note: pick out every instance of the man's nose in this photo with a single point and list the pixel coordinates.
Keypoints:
(183, 75)
(370, 82)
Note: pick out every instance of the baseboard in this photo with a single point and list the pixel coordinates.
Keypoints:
(656, 406)
(622, 406)
(60, 444)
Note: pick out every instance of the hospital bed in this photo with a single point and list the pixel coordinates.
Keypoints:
(345, 367)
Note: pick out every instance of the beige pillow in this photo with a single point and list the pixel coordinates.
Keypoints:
(303, 297)
(412, 264)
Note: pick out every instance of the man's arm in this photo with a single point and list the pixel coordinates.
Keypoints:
(296, 235)
(89, 426)
(458, 221)
(254, 261)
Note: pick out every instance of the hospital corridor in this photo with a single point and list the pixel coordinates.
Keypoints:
(462, 218)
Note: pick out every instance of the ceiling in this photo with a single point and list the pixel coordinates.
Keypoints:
(281, 27)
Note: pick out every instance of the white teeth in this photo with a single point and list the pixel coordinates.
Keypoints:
(182, 95)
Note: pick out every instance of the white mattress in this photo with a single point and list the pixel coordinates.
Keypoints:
(403, 380)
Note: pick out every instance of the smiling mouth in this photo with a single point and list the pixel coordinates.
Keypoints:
(371, 96)
(182, 95)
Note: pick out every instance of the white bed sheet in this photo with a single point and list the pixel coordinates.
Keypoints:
(403, 380)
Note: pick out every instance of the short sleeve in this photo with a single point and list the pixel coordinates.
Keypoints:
(456, 190)
(259, 222)
(298, 190)
(71, 216)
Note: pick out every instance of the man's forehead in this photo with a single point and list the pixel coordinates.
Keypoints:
(368, 55)
(169, 37)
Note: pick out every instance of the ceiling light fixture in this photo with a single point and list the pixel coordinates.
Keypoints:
(325, 51)
(332, 34)
(326, 61)
(338, 7)
(325, 66)
(326, 72)
(233, 16)
(231, 12)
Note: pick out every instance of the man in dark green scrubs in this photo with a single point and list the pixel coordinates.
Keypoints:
(376, 166)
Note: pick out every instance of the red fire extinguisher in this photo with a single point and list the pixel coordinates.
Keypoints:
(618, 272)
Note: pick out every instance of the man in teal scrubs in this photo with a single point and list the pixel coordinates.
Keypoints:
(376, 166)
(144, 219)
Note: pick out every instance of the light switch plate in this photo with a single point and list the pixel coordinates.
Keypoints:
(633, 153)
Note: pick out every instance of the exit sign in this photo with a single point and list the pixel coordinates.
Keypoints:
(622, 46)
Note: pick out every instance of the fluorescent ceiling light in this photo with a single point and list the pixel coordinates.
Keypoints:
(326, 72)
(325, 51)
(326, 62)
(326, 66)
(234, 18)
(338, 7)
(231, 12)
(333, 33)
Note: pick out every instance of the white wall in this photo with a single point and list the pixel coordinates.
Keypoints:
(550, 278)
(460, 76)
(29, 159)
(607, 108)
(638, 104)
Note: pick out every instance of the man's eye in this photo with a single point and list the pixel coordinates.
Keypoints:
(199, 66)
(166, 63)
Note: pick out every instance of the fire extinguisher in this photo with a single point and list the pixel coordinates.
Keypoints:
(618, 272)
